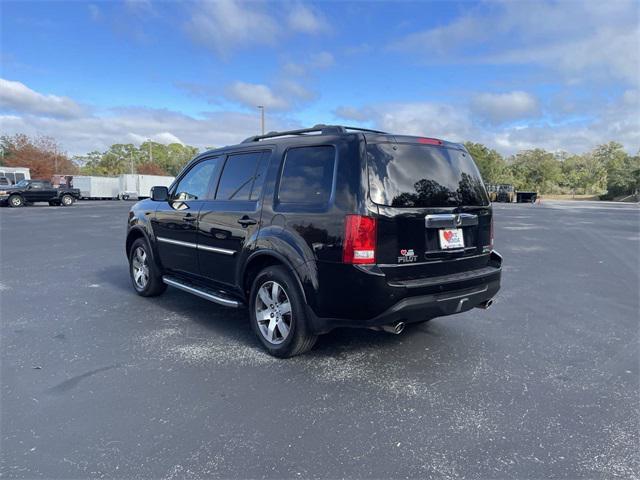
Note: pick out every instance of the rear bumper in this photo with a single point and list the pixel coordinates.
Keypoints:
(373, 301)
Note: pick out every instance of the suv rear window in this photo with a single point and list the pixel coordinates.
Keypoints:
(406, 175)
(307, 175)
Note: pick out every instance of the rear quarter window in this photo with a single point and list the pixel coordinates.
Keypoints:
(307, 175)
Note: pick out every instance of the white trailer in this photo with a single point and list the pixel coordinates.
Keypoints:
(94, 187)
(139, 186)
(15, 174)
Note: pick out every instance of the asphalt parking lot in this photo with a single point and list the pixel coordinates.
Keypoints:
(98, 382)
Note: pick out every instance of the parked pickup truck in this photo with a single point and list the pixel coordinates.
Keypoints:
(31, 191)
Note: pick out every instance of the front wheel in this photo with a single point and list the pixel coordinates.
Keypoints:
(16, 201)
(145, 274)
(278, 317)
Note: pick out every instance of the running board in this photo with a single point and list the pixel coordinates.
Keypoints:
(207, 294)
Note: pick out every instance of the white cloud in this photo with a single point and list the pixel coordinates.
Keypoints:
(227, 25)
(321, 60)
(498, 108)
(597, 40)
(618, 120)
(135, 125)
(313, 61)
(89, 129)
(253, 94)
(16, 96)
(165, 138)
(352, 113)
(303, 19)
(138, 5)
(295, 90)
(283, 96)
(293, 68)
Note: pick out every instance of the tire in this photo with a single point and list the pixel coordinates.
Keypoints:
(16, 201)
(276, 316)
(66, 200)
(148, 283)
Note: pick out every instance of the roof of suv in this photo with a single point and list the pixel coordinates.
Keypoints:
(371, 136)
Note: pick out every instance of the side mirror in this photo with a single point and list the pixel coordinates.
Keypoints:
(159, 194)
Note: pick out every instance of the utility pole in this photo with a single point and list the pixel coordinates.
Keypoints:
(150, 154)
(261, 107)
(131, 157)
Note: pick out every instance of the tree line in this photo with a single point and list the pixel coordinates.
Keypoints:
(45, 157)
(607, 170)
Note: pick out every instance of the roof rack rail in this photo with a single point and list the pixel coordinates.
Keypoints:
(323, 129)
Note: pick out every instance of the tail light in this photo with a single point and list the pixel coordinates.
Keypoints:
(359, 244)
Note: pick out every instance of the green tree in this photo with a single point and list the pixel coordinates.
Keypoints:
(583, 173)
(149, 157)
(491, 164)
(536, 169)
(623, 170)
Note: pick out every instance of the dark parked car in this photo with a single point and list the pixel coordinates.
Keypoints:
(321, 228)
(31, 191)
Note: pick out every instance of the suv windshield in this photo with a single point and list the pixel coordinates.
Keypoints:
(406, 175)
(22, 183)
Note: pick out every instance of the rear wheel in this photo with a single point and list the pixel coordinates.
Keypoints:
(16, 201)
(278, 317)
(66, 200)
(145, 274)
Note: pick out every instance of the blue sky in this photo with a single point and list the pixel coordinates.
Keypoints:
(513, 75)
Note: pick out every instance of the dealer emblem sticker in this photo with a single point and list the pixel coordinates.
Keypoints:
(407, 256)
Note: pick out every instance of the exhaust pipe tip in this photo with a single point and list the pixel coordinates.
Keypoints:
(395, 328)
(486, 304)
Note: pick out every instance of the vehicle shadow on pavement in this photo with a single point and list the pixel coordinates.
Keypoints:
(234, 323)
(116, 276)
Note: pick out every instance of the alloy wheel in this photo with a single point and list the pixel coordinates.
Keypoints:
(140, 268)
(273, 312)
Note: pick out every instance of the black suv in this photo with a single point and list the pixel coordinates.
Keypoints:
(320, 228)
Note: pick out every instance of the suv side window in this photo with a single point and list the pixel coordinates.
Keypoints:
(242, 177)
(307, 175)
(195, 184)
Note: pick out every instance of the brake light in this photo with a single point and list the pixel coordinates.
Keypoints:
(359, 244)
(430, 141)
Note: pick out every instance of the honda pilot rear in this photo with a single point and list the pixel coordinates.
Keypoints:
(424, 246)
